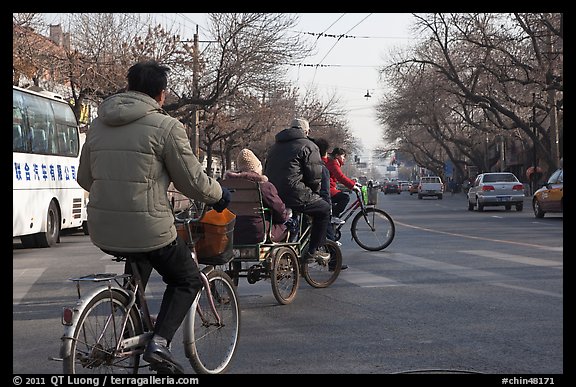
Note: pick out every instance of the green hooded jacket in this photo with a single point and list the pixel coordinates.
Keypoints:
(133, 150)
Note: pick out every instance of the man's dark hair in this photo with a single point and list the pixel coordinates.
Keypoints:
(322, 145)
(338, 152)
(148, 77)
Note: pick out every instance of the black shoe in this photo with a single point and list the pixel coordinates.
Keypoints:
(343, 267)
(161, 359)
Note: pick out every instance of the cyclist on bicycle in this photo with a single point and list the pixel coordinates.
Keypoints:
(133, 150)
(294, 166)
(323, 146)
(339, 199)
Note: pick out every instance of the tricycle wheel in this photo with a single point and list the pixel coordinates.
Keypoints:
(285, 275)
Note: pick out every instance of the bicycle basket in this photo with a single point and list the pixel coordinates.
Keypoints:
(372, 196)
(212, 237)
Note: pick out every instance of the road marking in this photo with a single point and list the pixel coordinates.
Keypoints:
(515, 258)
(549, 248)
(22, 281)
(366, 280)
(483, 276)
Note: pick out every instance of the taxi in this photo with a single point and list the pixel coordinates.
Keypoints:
(550, 197)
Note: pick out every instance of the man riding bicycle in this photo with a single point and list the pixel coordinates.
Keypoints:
(133, 150)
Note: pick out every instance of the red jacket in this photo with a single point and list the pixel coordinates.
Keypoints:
(336, 175)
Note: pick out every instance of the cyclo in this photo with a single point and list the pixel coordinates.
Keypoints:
(279, 262)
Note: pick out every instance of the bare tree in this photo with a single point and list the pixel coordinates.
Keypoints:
(486, 68)
(35, 58)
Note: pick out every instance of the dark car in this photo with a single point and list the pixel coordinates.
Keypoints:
(391, 187)
(550, 197)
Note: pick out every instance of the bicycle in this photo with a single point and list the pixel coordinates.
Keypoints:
(318, 274)
(280, 262)
(372, 228)
(108, 328)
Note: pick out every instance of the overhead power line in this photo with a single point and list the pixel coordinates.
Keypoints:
(344, 36)
(329, 65)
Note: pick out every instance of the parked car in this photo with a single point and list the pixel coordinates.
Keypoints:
(414, 187)
(496, 189)
(550, 197)
(391, 187)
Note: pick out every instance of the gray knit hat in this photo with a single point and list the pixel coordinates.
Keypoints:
(301, 123)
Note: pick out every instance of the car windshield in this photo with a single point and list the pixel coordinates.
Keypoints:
(497, 177)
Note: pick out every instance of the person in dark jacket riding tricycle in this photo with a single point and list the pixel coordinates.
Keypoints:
(294, 166)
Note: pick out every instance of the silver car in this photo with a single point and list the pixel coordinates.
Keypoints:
(496, 189)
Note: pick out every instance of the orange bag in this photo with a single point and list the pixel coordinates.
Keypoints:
(214, 247)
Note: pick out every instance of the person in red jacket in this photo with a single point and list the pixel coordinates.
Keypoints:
(339, 199)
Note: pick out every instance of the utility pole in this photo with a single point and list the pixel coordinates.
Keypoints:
(535, 134)
(502, 153)
(195, 138)
(551, 79)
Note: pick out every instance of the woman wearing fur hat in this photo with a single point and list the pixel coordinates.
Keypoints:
(249, 229)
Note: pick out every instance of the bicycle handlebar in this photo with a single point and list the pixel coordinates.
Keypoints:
(193, 213)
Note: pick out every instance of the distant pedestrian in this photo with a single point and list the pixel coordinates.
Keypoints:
(452, 186)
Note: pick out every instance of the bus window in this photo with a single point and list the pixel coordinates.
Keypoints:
(19, 134)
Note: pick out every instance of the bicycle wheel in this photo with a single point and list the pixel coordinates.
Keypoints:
(285, 276)
(321, 275)
(210, 345)
(96, 336)
(374, 231)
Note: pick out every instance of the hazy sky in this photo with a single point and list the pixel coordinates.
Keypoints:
(352, 62)
(350, 65)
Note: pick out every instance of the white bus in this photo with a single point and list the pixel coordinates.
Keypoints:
(45, 155)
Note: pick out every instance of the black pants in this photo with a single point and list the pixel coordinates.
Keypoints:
(181, 276)
(319, 210)
(339, 203)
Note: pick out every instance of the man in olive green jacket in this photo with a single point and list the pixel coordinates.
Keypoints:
(133, 150)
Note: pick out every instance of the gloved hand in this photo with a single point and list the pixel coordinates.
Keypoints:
(357, 187)
(224, 201)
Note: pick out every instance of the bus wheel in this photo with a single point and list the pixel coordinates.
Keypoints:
(52, 234)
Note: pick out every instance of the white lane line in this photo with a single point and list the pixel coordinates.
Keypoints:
(466, 272)
(550, 248)
(365, 279)
(515, 258)
(22, 281)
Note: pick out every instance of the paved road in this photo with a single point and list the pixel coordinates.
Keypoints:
(478, 292)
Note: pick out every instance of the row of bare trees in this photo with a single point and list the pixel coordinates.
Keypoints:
(236, 81)
(483, 90)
